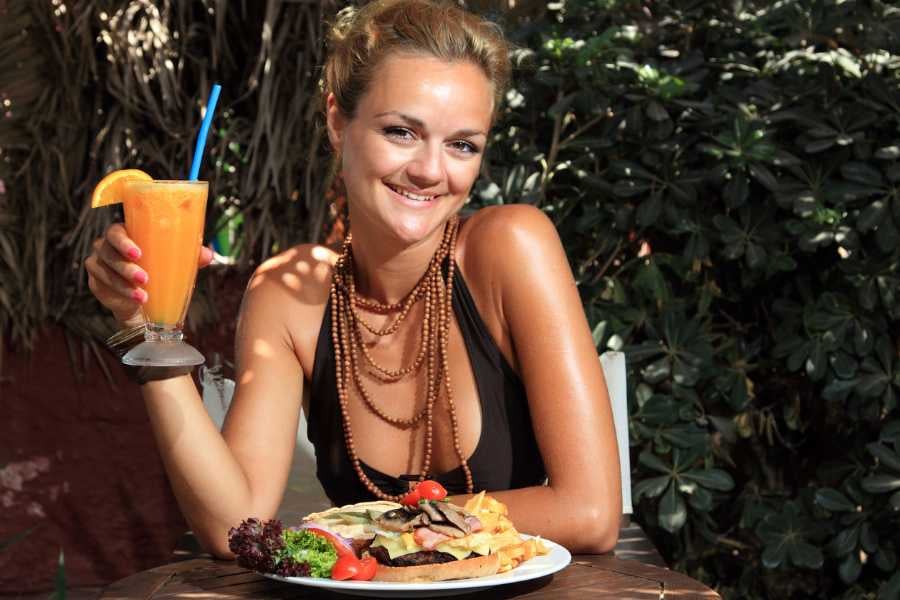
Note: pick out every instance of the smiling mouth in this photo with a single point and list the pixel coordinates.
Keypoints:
(410, 195)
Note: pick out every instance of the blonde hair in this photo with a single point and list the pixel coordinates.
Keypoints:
(362, 37)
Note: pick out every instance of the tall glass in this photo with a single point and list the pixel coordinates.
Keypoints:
(165, 219)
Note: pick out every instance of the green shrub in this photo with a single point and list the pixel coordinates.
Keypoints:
(726, 180)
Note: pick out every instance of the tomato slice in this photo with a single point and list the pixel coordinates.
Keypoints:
(431, 490)
(339, 545)
(367, 568)
(346, 567)
(412, 498)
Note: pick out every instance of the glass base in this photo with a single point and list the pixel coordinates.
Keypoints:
(158, 353)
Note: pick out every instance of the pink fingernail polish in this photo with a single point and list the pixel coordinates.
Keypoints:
(134, 253)
(139, 296)
(140, 277)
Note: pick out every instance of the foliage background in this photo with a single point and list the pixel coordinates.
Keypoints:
(725, 177)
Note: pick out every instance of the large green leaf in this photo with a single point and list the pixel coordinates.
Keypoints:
(700, 499)
(879, 484)
(649, 210)
(737, 190)
(885, 455)
(833, 500)
(714, 479)
(685, 436)
(885, 559)
(890, 590)
(872, 216)
(659, 410)
(657, 371)
(629, 188)
(850, 568)
(672, 510)
(806, 555)
(862, 173)
(650, 461)
(839, 389)
(651, 487)
(774, 555)
(844, 365)
(868, 538)
(845, 541)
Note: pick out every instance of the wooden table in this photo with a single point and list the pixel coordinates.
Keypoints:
(588, 576)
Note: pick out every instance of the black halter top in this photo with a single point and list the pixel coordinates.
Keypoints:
(506, 456)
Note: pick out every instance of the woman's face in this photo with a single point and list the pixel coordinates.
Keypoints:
(411, 153)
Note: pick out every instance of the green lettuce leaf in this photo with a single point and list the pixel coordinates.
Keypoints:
(305, 547)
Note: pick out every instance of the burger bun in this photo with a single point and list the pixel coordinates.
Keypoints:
(480, 566)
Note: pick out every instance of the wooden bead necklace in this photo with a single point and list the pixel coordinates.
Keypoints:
(352, 358)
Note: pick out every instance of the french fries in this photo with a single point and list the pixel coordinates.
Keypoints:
(512, 556)
(506, 541)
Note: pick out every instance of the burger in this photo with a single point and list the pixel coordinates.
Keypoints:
(433, 540)
(422, 539)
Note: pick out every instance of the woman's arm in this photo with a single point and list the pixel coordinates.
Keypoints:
(218, 480)
(535, 293)
(221, 479)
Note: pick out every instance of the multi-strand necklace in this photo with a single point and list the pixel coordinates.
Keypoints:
(353, 361)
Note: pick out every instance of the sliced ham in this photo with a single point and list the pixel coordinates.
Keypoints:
(473, 523)
(427, 538)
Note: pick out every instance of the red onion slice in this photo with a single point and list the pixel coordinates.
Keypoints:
(345, 542)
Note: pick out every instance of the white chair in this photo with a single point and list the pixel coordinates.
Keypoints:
(217, 392)
(633, 542)
(614, 371)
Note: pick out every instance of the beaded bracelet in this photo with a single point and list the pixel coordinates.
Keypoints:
(122, 341)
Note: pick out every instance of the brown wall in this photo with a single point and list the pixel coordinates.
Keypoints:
(79, 465)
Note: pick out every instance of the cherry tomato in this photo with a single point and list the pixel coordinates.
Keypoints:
(350, 567)
(431, 490)
(412, 498)
(341, 547)
(346, 567)
(367, 568)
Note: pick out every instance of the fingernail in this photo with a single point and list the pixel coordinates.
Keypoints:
(139, 296)
(140, 277)
(134, 253)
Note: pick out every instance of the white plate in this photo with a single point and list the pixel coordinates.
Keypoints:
(539, 566)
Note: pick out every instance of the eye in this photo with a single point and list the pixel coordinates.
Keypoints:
(400, 133)
(466, 147)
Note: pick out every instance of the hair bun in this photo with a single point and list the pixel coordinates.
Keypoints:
(343, 24)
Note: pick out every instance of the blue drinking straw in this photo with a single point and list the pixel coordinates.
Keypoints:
(204, 130)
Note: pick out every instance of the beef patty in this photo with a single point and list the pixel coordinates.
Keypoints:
(425, 557)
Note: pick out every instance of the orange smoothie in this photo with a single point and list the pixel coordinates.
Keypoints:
(165, 219)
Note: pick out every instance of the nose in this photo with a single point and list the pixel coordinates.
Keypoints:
(427, 166)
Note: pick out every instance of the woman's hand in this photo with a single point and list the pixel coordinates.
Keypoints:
(116, 280)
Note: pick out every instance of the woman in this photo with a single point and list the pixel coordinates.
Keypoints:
(429, 346)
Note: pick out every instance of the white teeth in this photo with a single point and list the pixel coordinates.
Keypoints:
(412, 196)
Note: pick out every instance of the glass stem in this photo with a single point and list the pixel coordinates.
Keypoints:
(154, 332)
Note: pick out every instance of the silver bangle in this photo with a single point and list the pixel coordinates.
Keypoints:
(124, 340)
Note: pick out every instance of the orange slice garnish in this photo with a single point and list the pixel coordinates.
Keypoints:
(110, 189)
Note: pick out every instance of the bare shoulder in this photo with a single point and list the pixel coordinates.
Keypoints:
(300, 275)
(503, 252)
(284, 304)
(498, 237)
